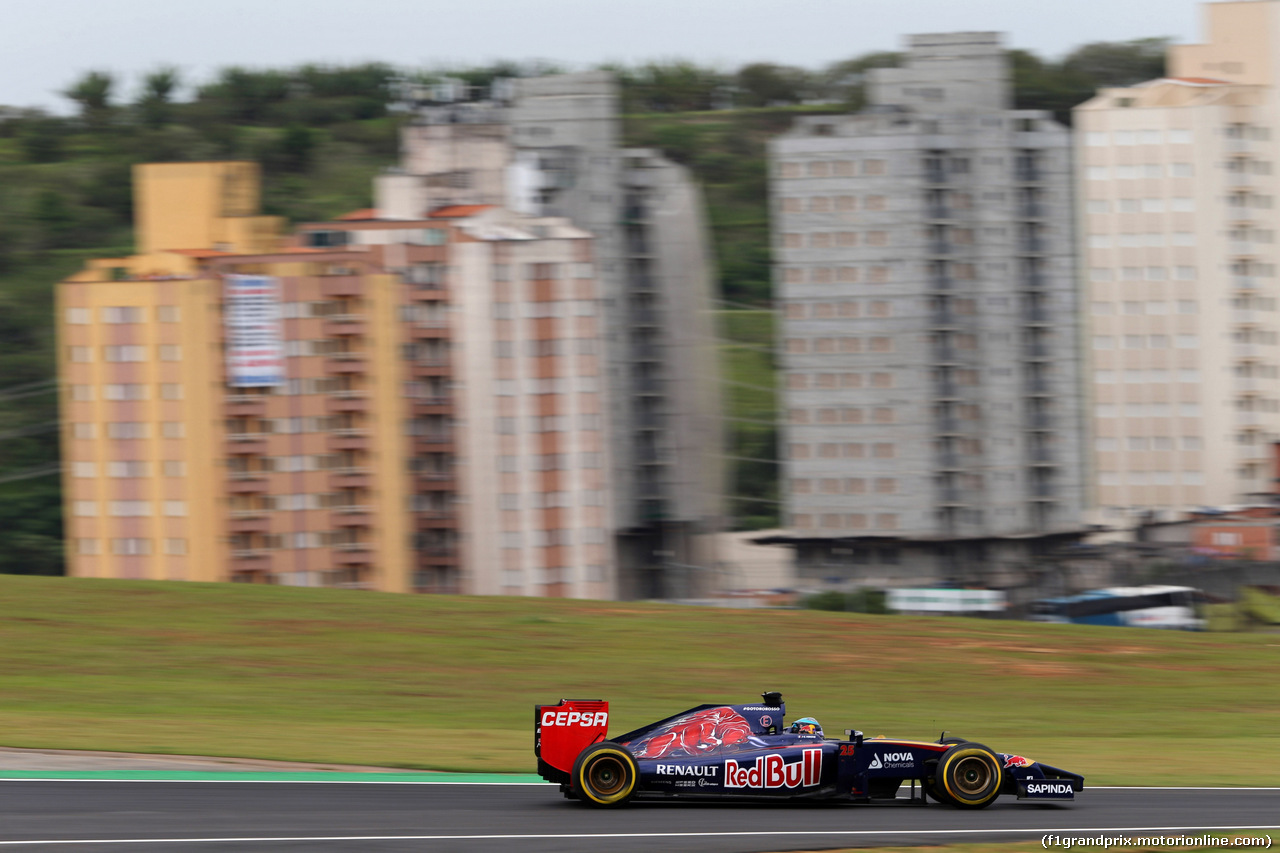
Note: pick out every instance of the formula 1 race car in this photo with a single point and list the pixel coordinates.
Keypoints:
(716, 751)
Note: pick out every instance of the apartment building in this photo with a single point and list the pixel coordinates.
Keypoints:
(549, 146)
(1178, 186)
(930, 358)
(407, 406)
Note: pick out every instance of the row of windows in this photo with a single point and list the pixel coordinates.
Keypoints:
(129, 429)
(548, 423)
(1141, 205)
(1150, 478)
(1145, 377)
(839, 450)
(129, 468)
(118, 315)
(838, 310)
(829, 275)
(1181, 273)
(833, 168)
(559, 385)
(551, 538)
(827, 381)
(1146, 170)
(843, 521)
(1151, 308)
(828, 204)
(1147, 410)
(547, 347)
(551, 462)
(126, 391)
(1138, 241)
(834, 239)
(131, 547)
(555, 309)
(1103, 342)
(847, 345)
(551, 500)
(845, 486)
(116, 354)
(128, 509)
(1172, 136)
(1154, 442)
(844, 415)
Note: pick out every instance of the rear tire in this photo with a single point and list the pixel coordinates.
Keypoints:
(969, 775)
(605, 775)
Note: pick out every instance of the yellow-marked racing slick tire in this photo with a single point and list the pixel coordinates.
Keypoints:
(605, 774)
(968, 775)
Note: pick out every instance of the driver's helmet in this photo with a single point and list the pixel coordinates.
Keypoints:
(806, 726)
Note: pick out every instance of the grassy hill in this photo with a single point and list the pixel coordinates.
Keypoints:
(448, 682)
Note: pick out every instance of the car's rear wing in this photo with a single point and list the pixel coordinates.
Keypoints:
(562, 731)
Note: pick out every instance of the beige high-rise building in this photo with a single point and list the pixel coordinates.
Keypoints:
(405, 406)
(1177, 188)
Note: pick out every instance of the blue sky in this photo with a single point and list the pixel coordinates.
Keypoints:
(47, 44)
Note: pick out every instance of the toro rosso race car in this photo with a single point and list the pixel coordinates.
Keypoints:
(746, 751)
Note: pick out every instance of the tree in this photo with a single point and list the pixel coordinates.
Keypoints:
(764, 84)
(1118, 63)
(155, 104)
(93, 93)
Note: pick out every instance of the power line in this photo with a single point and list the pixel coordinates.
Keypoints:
(35, 429)
(30, 473)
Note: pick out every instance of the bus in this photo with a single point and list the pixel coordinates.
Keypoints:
(1170, 607)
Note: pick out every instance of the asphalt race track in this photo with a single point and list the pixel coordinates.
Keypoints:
(370, 816)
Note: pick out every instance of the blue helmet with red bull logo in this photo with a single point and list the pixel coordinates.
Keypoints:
(806, 726)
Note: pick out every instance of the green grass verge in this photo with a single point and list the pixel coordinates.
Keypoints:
(448, 683)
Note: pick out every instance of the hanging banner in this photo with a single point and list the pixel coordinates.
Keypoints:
(255, 351)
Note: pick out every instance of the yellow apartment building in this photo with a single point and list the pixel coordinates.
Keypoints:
(408, 405)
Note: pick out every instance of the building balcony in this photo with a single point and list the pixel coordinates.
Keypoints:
(1033, 281)
(345, 363)
(1043, 492)
(944, 354)
(435, 292)
(939, 211)
(1244, 282)
(428, 369)
(1039, 421)
(945, 425)
(1041, 456)
(1036, 316)
(949, 496)
(1031, 210)
(254, 560)
(347, 402)
(248, 483)
(432, 331)
(936, 176)
(948, 461)
(351, 516)
(350, 478)
(245, 405)
(349, 439)
(1037, 387)
(246, 444)
(1035, 352)
(423, 444)
(435, 520)
(252, 521)
(352, 554)
(1032, 245)
(1028, 174)
(941, 282)
(942, 317)
(943, 389)
(433, 406)
(344, 325)
(436, 482)
(940, 247)
(341, 286)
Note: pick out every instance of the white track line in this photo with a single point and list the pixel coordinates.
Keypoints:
(620, 835)
(546, 785)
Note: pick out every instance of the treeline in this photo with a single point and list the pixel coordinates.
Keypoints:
(321, 133)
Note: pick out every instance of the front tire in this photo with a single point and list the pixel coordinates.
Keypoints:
(605, 775)
(969, 775)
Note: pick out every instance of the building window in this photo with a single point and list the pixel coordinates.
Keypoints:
(173, 429)
(131, 547)
(170, 352)
(130, 314)
(130, 509)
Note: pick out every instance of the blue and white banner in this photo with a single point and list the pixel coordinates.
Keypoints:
(255, 349)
